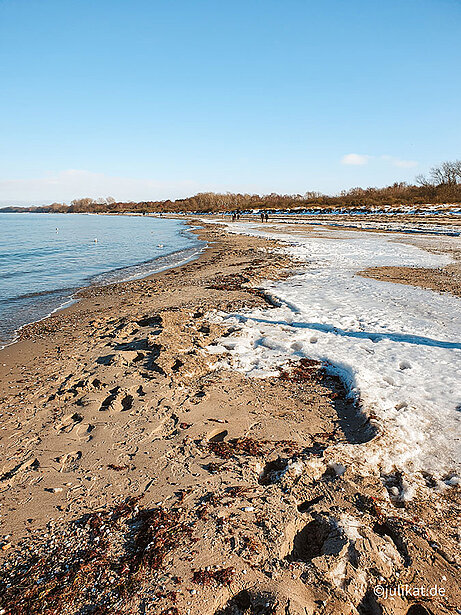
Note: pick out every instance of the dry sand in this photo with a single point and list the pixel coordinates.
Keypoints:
(136, 478)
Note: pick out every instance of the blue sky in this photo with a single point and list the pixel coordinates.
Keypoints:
(145, 99)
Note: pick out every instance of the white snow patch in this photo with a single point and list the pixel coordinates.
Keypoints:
(395, 345)
(338, 468)
(350, 526)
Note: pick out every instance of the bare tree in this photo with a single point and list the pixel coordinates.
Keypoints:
(451, 172)
(447, 173)
(422, 180)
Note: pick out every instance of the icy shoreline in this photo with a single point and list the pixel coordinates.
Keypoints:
(397, 347)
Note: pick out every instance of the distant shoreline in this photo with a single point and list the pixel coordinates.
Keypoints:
(417, 209)
(66, 297)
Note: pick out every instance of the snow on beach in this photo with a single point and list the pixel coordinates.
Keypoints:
(397, 347)
(390, 225)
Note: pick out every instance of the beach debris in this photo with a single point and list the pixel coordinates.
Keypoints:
(213, 467)
(238, 491)
(236, 446)
(304, 370)
(85, 562)
(252, 447)
(112, 466)
(208, 576)
(230, 282)
(240, 282)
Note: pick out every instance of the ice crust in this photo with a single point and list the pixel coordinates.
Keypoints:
(397, 347)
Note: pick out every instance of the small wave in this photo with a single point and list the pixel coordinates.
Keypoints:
(34, 307)
(41, 293)
(10, 330)
(37, 252)
(141, 270)
(14, 274)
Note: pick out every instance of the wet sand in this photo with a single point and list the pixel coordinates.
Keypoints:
(139, 476)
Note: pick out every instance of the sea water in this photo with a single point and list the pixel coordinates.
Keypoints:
(45, 258)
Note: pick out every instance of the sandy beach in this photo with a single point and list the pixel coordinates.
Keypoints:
(140, 474)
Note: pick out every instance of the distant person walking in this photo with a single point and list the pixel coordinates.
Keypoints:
(266, 217)
(262, 216)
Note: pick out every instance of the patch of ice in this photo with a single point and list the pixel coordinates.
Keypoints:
(350, 526)
(338, 468)
(397, 346)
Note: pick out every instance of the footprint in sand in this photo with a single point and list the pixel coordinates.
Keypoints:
(125, 449)
(117, 401)
(8, 475)
(69, 422)
(217, 435)
(86, 432)
(68, 459)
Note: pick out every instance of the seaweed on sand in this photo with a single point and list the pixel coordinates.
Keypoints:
(251, 447)
(304, 370)
(207, 576)
(95, 564)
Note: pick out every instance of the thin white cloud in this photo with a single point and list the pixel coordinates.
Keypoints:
(355, 159)
(362, 159)
(398, 162)
(74, 183)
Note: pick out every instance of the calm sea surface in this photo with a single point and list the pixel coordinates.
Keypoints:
(44, 258)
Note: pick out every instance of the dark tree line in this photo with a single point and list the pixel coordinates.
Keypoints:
(442, 185)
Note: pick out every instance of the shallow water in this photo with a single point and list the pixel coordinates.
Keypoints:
(44, 258)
